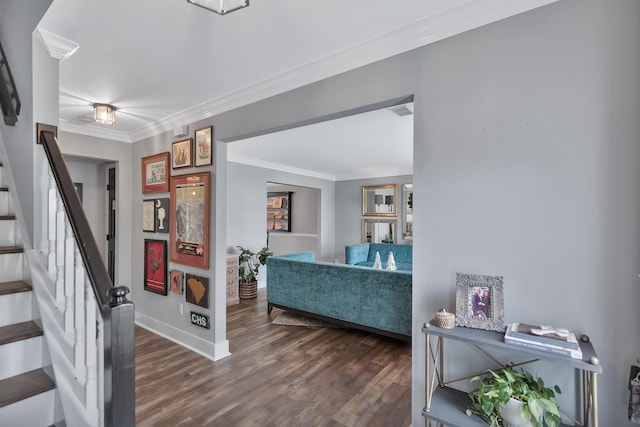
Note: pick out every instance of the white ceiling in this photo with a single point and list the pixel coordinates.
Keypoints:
(166, 63)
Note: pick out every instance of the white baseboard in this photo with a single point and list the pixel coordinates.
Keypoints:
(212, 351)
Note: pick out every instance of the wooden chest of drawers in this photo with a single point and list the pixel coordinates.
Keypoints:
(232, 279)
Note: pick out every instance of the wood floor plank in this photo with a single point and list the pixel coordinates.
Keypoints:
(277, 375)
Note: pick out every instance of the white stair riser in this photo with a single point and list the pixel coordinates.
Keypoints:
(20, 357)
(36, 411)
(16, 308)
(7, 233)
(5, 203)
(11, 267)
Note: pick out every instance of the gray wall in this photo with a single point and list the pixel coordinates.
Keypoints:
(305, 222)
(304, 200)
(17, 21)
(103, 151)
(525, 165)
(91, 175)
(349, 209)
(247, 206)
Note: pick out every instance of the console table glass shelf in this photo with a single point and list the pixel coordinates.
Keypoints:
(448, 406)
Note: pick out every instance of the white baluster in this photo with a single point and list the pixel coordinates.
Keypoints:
(51, 225)
(79, 350)
(69, 244)
(100, 375)
(60, 255)
(91, 326)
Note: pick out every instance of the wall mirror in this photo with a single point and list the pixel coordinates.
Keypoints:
(378, 230)
(379, 200)
(407, 211)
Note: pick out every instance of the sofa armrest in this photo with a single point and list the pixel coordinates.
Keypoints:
(356, 253)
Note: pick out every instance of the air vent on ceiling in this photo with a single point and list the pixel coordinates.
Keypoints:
(401, 110)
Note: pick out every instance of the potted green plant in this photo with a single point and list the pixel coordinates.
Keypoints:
(499, 389)
(250, 263)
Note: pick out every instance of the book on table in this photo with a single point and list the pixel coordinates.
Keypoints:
(524, 331)
(568, 345)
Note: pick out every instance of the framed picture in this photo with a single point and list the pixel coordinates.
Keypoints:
(480, 302)
(380, 200)
(176, 282)
(162, 215)
(197, 290)
(279, 211)
(155, 266)
(181, 154)
(189, 233)
(149, 215)
(155, 173)
(203, 152)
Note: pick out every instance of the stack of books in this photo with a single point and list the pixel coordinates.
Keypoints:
(543, 338)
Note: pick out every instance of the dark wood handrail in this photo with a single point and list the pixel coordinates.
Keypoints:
(117, 312)
(9, 100)
(96, 270)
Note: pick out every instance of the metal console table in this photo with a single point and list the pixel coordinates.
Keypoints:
(445, 405)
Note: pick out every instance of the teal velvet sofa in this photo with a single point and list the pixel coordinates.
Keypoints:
(365, 253)
(375, 300)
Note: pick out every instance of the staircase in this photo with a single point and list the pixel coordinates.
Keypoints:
(28, 395)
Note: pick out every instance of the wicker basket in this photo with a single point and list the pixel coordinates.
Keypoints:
(445, 320)
(247, 290)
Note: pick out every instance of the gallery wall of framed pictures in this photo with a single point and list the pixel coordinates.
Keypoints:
(183, 214)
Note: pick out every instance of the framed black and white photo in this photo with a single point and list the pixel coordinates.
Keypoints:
(480, 302)
(162, 215)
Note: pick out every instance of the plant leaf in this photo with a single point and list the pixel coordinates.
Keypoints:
(535, 407)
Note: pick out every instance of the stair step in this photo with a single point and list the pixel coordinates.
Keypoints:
(23, 386)
(4, 188)
(7, 217)
(18, 332)
(11, 250)
(14, 287)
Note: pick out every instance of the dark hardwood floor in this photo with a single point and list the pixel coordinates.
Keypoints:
(276, 376)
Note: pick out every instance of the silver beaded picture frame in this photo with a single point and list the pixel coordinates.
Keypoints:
(480, 302)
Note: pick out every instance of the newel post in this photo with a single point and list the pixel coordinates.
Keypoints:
(119, 362)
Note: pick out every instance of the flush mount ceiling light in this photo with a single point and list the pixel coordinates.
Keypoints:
(104, 114)
(220, 7)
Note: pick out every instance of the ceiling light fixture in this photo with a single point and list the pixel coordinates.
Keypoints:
(104, 114)
(220, 7)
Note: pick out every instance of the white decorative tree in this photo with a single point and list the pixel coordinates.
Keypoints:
(391, 262)
(376, 262)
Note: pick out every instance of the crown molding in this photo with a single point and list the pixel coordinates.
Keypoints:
(95, 131)
(58, 47)
(278, 167)
(463, 17)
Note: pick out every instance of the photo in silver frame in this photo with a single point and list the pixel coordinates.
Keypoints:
(480, 302)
